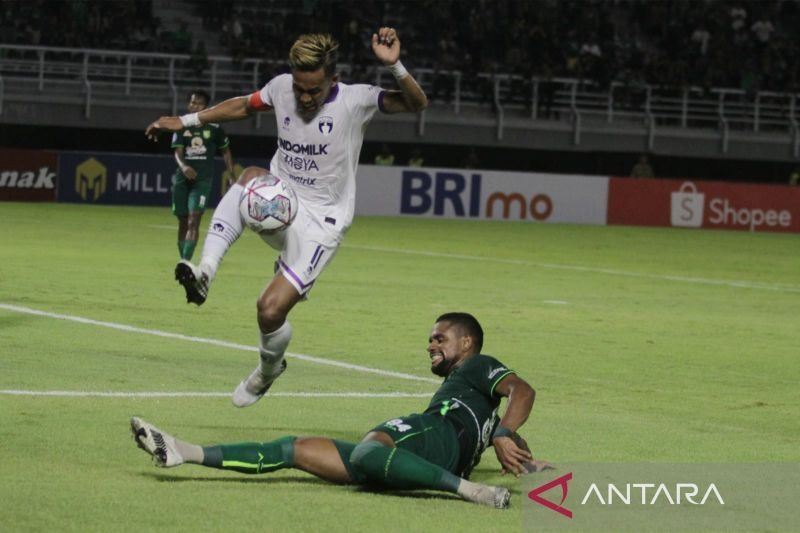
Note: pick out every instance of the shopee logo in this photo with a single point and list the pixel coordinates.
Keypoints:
(687, 206)
(725, 213)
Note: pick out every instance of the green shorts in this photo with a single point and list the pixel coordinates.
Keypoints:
(430, 436)
(189, 196)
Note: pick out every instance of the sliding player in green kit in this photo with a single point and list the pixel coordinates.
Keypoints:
(195, 148)
(434, 450)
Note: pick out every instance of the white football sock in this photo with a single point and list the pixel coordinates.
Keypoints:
(225, 227)
(272, 347)
(191, 453)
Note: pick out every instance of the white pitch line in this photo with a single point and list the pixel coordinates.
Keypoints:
(214, 342)
(739, 284)
(108, 394)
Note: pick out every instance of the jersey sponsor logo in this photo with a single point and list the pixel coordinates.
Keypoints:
(303, 180)
(300, 163)
(304, 149)
(496, 371)
(91, 178)
(325, 125)
(197, 148)
(30, 179)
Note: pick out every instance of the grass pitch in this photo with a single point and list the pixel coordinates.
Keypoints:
(643, 345)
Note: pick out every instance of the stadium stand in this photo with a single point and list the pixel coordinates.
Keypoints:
(651, 70)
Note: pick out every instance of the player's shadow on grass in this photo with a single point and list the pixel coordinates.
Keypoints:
(415, 494)
(295, 430)
(284, 480)
(165, 478)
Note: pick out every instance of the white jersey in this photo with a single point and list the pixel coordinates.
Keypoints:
(320, 157)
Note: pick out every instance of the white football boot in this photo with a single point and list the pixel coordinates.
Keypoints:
(255, 386)
(496, 497)
(155, 442)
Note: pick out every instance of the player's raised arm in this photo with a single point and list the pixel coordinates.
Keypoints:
(520, 402)
(231, 109)
(410, 98)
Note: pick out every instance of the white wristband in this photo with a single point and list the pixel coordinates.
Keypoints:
(191, 120)
(398, 70)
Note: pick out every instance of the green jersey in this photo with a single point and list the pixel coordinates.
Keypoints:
(467, 398)
(200, 145)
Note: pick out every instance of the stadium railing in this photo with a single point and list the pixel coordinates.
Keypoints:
(96, 77)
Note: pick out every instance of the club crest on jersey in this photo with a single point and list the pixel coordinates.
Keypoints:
(325, 125)
(286, 122)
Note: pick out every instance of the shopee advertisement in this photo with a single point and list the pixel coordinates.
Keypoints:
(704, 204)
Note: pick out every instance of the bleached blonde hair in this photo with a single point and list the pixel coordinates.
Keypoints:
(312, 51)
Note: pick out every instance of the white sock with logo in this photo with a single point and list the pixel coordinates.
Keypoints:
(272, 347)
(226, 226)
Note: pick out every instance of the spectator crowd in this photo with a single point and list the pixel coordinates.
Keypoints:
(751, 44)
(747, 44)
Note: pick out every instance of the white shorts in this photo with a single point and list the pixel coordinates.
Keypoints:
(306, 247)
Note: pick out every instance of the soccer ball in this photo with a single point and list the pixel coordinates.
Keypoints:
(268, 204)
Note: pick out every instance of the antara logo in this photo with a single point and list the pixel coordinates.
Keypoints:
(628, 494)
(562, 482)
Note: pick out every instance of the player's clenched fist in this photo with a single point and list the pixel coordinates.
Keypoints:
(386, 45)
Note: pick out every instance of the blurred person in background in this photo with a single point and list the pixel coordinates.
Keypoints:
(195, 148)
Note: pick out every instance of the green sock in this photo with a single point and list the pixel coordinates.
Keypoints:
(400, 469)
(188, 249)
(181, 245)
(251, 457)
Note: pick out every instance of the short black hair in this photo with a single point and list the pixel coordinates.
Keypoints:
(468, 323)
(202, 94)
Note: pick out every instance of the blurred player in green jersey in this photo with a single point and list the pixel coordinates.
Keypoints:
(436, 449)
(195, 148)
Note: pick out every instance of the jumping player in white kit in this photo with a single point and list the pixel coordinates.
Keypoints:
(321, 124)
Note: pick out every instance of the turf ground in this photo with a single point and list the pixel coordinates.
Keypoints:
(643, 345)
